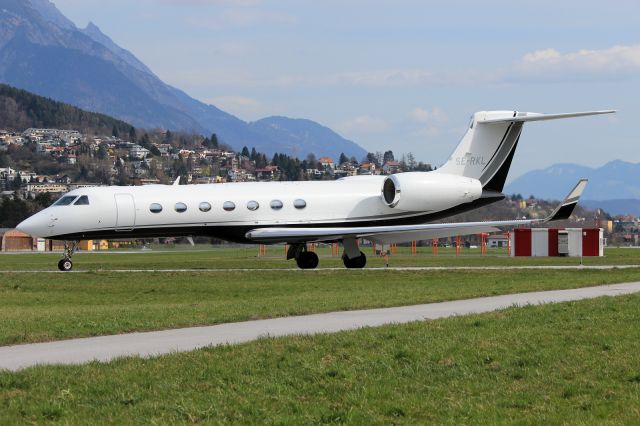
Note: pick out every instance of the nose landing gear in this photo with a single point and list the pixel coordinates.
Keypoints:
(70, 247)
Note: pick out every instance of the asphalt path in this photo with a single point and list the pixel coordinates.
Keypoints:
(148, 344)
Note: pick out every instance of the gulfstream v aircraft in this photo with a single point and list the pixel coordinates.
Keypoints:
(383, 209)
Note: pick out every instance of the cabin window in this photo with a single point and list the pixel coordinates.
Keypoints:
(276, 204)
(204, 207)
(155, 208)
(229, 206)
(82, 201)
(65, 201)
(253, 205)
(299, 204)
(181, 207)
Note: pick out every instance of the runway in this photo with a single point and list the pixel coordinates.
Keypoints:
(148, 344)
(310, 271)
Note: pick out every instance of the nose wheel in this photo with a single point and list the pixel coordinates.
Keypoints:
(65, 265)
(70, 247)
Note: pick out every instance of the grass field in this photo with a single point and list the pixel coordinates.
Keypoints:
(204, 257)
(38, 307)
(575, 362)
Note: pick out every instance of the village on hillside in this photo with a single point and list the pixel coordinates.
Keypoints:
(103, 160)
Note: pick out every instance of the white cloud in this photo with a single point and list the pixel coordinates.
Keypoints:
(365, 124)
(614, 61)
(435, 114)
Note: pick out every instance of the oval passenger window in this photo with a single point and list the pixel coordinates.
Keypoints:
(253, 205)
(155, 208)
(299, 204)
(229, 206)
(181, 207)
(204, 207)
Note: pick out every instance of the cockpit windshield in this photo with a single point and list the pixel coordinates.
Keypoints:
(82, 201)
(65, 201)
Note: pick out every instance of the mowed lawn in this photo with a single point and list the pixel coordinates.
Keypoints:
(246, 257)
(575, 363)
(37, 307)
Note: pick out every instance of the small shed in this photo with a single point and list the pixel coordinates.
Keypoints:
(572, 242)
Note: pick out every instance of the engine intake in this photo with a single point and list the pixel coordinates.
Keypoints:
(429, 191)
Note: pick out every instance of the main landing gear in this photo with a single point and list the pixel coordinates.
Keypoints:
(305, 259)
(355, 263)
(352, 258)
(70, 248)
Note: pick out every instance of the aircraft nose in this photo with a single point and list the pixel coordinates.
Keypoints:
(34, 226)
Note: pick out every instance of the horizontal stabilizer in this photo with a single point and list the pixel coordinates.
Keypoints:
(564, 210)
(523, 117)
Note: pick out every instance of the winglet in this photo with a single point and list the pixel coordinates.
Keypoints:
(564, 210)
(177, 182)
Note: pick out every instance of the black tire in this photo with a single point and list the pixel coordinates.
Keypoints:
(355, 263)
(65, 265)
(307, 260)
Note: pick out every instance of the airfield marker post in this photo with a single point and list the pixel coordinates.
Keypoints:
(458, 246)
(434, 247)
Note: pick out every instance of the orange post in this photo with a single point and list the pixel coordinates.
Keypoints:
(458, 246)
(434, 247)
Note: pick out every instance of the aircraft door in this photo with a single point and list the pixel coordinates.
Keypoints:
(126, 219)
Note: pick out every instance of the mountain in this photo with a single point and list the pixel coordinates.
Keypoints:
(20, 110)
(307, 136)
(617, 180)
(43, 52)
(615, 207)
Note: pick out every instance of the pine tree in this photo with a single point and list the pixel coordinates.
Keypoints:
(343, 158)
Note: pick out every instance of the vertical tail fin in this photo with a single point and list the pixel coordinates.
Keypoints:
(487, 149)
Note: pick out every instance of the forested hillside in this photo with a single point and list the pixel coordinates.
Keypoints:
(20, 110)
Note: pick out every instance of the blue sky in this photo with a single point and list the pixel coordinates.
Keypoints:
(401, 75)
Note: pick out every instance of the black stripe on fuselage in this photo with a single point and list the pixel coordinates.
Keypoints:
(236, 233)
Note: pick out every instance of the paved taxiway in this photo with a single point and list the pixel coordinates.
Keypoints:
(106, 348)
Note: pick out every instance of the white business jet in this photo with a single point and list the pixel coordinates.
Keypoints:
(382, 209)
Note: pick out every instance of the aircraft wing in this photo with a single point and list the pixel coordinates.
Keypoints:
(406, 233)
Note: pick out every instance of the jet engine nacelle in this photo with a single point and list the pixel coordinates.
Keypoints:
(427, 191)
